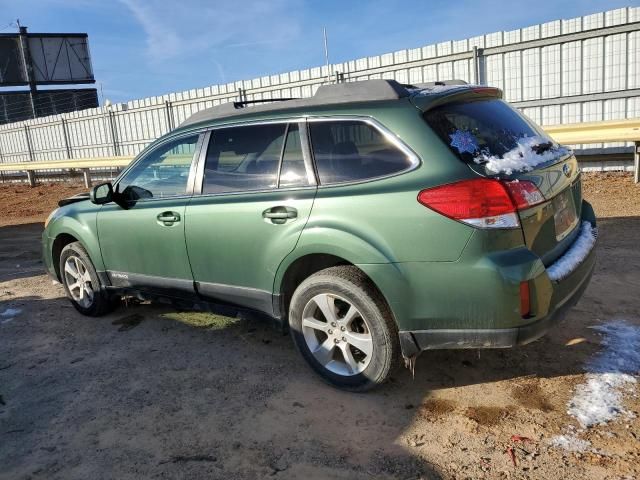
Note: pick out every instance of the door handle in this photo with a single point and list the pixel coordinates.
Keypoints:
(279, 214)
(168, 218)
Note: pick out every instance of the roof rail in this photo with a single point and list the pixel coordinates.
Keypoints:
(349, 92)
(244, 103)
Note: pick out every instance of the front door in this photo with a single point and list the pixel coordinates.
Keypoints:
(143, 244)
(256, 196)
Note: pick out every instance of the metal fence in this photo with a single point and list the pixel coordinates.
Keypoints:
(565, 71)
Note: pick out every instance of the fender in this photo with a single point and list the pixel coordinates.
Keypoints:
(377, 264)
(79, 220)
(344, 244)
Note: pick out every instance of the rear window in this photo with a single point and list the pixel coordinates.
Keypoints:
(352, 150)
(484, 129)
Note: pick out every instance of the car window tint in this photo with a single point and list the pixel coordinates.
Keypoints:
(162, 173)
(481, 128)
(346, 151)
(293, 172)
(243, 158)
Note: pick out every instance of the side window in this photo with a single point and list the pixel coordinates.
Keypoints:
(293, 172)
(347, 151)
(243, 158)
(162, 173)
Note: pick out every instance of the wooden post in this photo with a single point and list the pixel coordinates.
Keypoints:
(31, 178)
(636, 162)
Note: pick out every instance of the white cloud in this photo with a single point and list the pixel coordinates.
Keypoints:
(195, 27)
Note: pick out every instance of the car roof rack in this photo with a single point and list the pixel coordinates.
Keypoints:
(244, 103)
(340, 93)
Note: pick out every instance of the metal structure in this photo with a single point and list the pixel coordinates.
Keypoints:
(44, 59)
(585, 69)
(18, 106)
(28, 59)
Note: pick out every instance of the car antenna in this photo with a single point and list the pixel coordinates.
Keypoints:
(326, 53)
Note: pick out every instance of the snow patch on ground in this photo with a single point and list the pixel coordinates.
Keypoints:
(570, 443)
(522, 158)
(573, 257)
(9, 314)
(611, 374)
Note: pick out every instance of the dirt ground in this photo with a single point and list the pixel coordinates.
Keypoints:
(152, 392)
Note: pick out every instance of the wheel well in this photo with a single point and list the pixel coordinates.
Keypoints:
(59, 243)
(303, 268)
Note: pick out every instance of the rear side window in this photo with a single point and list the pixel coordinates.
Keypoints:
(243, 158)
(347, 151)
(475, 131)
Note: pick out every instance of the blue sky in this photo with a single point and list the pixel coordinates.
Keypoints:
(142, 48)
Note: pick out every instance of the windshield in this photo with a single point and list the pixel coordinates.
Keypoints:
(493, 133)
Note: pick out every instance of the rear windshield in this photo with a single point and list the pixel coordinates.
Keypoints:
(480, 130)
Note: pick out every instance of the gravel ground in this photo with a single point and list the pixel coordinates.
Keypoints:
(153, 392)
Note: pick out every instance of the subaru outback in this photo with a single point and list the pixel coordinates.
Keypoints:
(373, 220)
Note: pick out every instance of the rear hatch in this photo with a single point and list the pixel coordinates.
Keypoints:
(498, 142)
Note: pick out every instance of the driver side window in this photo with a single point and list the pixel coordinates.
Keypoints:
(162, 173)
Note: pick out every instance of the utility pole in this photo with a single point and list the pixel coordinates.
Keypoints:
(28, 65)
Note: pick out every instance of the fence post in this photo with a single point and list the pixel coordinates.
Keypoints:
(31, 174)
(114, 136)
(169, 113)
(478, 66)
(1, 161)
(86, 173)
(86, 176)
(636, 162)
(67, 143)
(31, 178)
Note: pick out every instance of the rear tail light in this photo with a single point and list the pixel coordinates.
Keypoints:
(482, 202)
(524, 194)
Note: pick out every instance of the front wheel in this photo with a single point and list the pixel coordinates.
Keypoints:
(343, 328)
(81, 282)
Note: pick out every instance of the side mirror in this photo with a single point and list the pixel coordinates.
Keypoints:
(101, 194)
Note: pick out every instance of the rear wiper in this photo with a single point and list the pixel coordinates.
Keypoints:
(542, 147)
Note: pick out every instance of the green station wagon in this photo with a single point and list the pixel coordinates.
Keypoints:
(373, 220)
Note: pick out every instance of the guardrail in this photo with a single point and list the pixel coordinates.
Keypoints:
(576, 133)
(601, 132)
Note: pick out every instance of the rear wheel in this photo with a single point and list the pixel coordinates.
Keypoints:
(81, 282)
(343, 328)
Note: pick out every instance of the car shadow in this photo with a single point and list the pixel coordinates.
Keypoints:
(150, 390)
(20, 252)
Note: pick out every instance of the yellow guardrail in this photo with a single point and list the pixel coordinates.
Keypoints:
(596, 132)
(570, 134)
(79, 163)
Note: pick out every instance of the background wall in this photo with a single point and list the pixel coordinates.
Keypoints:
(566, 71)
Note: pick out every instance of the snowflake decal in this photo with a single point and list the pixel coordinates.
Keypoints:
(464, 141)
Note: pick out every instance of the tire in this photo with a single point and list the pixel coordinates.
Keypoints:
(87, 294)
(332, 328)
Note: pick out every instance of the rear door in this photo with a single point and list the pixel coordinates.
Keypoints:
(256, 194)
(497, 141)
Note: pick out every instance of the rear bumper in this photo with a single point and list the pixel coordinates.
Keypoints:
(553, 298)
(413, 342)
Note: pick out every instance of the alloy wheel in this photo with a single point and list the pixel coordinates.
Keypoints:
(78, 281)
(337, 334)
